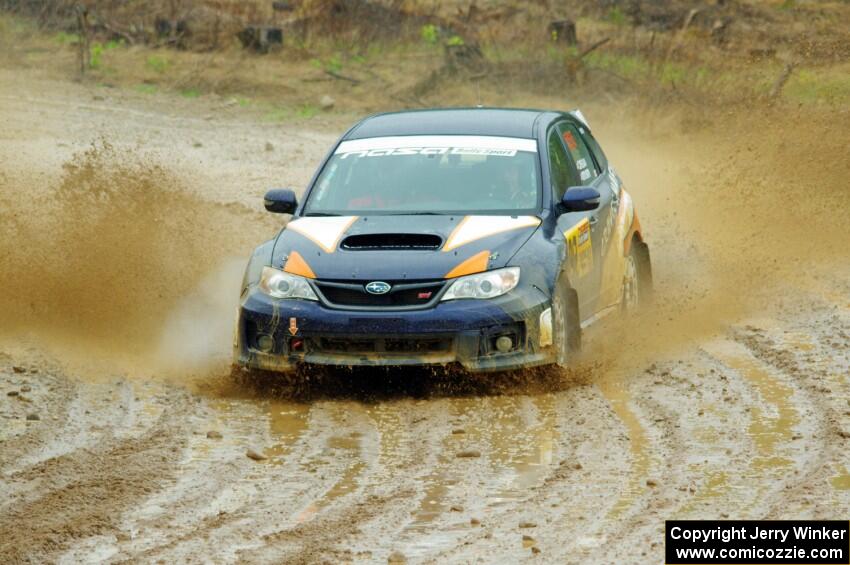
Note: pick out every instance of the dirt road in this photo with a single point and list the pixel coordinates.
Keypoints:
(124, 438)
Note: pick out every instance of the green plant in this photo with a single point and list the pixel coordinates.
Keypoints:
(307, 111)
(157, 64)
(616, 16)
(429, 33)
(191, 92)
(146, 88)
(97, 49)
(334, 64)
(66, 38)
(455, 40)
(95, 55)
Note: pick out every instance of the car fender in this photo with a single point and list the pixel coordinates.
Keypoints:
(261, 257)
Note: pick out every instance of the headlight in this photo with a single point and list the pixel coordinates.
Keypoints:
(484, 285)
(278, 284)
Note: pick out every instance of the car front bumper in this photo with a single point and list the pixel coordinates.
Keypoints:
(279, 335)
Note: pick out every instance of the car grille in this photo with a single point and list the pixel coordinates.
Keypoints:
(388, 345)
(407, 294)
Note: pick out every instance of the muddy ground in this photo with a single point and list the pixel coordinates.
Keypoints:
(123, 438)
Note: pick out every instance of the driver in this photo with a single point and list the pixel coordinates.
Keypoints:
(517, 186)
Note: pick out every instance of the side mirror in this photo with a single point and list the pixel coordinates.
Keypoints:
(580, 199)
(280, 201)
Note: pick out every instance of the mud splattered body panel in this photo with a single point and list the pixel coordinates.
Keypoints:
(380, 277)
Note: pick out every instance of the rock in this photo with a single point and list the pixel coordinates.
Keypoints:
(475, 521)
(527, 525)
(526, 537)
(457, 431)
(213, 434)
(12, 393)
(456, 508)
(269, 146)
(256, 456)
(326, 103)
(844, 433)
(18, 369)
(651, 483)
(535, 550)
(33, 417)
(577, 467)
(23, 398)
(26, 388)
(396, 557)
(197, 144)
(468, 453)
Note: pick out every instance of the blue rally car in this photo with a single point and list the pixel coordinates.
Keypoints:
(481, 237)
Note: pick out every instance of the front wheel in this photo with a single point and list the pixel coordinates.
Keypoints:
(566, 325)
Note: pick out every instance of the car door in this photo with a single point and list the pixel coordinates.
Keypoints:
(590, 172)
(574, 227)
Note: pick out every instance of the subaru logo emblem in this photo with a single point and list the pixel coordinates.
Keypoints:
(378, 287)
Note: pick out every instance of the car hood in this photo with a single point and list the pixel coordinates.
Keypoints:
(399, 247)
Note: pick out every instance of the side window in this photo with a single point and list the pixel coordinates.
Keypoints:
(581, 156)
(601, 159)
(559, 166)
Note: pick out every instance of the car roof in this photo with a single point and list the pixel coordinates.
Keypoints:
(506, 122)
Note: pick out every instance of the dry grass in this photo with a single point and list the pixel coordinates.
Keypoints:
(376, 55)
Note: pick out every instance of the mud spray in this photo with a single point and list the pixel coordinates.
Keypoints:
(119, 260)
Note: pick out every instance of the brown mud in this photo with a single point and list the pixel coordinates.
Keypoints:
(124, 437)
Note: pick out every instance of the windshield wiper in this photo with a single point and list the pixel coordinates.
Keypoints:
(322, 214)
(419, 214)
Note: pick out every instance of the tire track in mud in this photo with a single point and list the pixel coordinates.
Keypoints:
(61, 497)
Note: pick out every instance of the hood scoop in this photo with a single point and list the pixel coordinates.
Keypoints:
(392, 241)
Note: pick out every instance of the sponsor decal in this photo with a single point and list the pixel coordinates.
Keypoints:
(585, 174)
(428, 144)
(581, 163)
(570, 140)
(394, 151)
(580, 248)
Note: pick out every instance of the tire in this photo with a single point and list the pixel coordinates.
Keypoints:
(566, 325)
(637, 278)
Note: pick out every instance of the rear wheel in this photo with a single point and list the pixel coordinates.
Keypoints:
(637, 278)
(566, 325)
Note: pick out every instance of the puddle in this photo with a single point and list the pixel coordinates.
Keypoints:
(841, 481)
(619, 397)
(238, 421)
(287, 422)
(770, 430)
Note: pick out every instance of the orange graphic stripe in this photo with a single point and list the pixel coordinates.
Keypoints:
(475, 264)
(296, 265)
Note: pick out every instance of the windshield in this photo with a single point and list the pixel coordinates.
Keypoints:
(429, 175)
